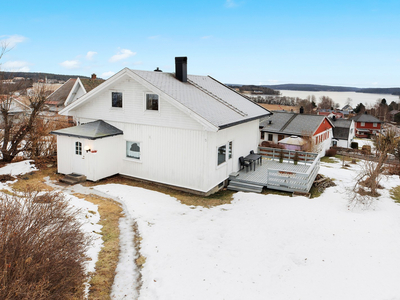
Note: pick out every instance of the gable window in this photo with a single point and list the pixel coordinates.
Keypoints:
(78, 148)
(151, 102)
(133, 150)
(270, 137)
(262, 135)
(116, 99)
(221, 154)
(375, 124)
(230, 150)
(362, 124)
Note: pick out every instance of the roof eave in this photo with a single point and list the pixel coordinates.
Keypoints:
(242, 121)
(83, 136)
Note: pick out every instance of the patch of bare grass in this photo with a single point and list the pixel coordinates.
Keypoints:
(222, 197)
(36, 178)
(395, 193)
(103, 278)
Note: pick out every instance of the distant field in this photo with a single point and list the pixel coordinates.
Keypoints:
(279, 107)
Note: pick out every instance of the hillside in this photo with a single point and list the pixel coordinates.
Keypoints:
(35, 76)
(326, 88)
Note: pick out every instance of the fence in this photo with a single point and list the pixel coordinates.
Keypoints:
(291, 176)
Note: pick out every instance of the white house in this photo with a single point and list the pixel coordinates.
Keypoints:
(177, 129)
(343, 132)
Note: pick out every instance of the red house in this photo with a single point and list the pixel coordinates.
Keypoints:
(366, 125)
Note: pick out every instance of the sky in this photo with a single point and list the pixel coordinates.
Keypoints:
(341, 42)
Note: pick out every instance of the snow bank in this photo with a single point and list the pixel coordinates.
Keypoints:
(18, 168)
(267, 246)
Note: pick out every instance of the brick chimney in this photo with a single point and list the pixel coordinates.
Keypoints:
(181, 68)
(93, 77)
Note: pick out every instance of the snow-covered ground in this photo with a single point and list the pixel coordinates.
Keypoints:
(88, 212)
(267, 246)
(261, 246)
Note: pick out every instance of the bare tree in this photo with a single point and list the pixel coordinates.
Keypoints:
(326, 102)
(367, 180)
(16, 129)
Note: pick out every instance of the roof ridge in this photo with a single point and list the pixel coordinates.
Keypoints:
(288, 122)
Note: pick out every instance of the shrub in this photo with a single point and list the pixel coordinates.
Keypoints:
(366, 149)
(330, 152)
(354, 145)
(42, 248)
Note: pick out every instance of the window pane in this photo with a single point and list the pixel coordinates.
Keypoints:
(151, 102)
(116, 99)
(78, 148)
(133, 150)
(230, 150)
(221, 154)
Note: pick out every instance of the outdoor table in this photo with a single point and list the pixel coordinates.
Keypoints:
(253, 158)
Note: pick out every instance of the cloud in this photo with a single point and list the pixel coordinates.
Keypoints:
(154, 37)
(107, 74)
(16, 66)
(71, 64)
(122, 54)
(206, 37)
(230, 3)
(12, 40)
(90, 54)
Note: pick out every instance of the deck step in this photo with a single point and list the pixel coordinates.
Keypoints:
(244, 187)
(73, 178)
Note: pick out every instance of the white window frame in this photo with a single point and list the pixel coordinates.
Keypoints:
(123, 97)
(225, 160)
(78, 148)
(230, 150)
(362, 124)
(375, 124)
(131, 158)
(145, 102)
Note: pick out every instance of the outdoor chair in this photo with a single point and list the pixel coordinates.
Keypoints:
(244, 163)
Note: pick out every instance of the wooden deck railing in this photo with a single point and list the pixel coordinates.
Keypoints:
(287, 155)
(291, 180)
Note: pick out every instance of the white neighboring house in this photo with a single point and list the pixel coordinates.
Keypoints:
(186, 131)
(16, 109)
(343, 132)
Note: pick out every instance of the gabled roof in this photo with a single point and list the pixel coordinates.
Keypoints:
(92, 130)
(341, 129)
(210, 102)
(342, 123)
(292, 123)
(59, 96)
(89, 84)
(366, 118)
(15, 106)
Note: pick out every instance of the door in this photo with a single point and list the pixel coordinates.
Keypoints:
(78, 158)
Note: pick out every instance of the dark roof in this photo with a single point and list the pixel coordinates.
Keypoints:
(90, 84)
(59, 96)
(366, 118)
(291, 123)
(92, 130)
(342, 123)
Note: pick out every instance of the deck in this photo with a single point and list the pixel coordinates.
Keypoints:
(285, 176)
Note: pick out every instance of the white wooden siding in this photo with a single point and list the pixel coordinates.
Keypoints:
(133, 110)
(245, 137)
(167, 155)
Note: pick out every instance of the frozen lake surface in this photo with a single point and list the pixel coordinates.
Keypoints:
(341, 97)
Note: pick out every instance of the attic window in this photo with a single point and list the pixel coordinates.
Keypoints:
(151, 102)
(116, 99)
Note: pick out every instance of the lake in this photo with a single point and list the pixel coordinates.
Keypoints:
(341, 97)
